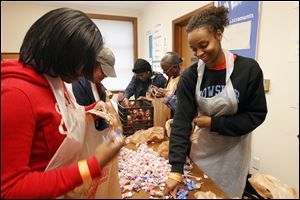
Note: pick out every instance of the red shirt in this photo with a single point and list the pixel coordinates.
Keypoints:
(30, 137)
(222, 65)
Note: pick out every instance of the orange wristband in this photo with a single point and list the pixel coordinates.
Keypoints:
(175, 176)
(84, 170)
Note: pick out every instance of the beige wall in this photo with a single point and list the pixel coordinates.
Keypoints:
(275, 142)
(163, 12)
(17, 17)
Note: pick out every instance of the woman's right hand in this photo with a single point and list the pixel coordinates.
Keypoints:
(107, 150)
(145, 98)
(160, 92)
(171, 188)
(202, 121)
(152, 90)
(126, 102)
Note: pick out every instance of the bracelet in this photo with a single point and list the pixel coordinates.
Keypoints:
(175, 176)
(84, 170)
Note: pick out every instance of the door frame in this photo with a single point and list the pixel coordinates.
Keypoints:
(181, 21)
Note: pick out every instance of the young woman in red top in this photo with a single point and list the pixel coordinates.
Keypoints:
(40, 131)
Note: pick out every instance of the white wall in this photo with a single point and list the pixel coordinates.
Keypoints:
(275, 142)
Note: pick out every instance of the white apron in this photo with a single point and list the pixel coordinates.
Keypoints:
(80, 143)
(73, 116)
(224, 158)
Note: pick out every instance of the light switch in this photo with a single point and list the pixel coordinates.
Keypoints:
(266, 85)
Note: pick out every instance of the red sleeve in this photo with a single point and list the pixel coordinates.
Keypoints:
(18, 179)
(94, 167)
(89, 107)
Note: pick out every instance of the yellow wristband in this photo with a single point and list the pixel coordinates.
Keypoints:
(176, 176)
(84, 170)
(178, 179)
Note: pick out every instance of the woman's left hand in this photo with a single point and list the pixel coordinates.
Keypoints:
(203, 121)
(109, 95)
(160, 92)
(101, 109)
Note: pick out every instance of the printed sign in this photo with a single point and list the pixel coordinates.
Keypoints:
(240, 36)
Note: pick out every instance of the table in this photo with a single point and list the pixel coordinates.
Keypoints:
(208, 184)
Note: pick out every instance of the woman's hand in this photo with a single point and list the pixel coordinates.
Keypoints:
(164, 94)
(109, 95)
(203, 121)
(107, 150)
(171, 188)
(125, 102)
(151, 91)
(100, 105)
(101, 110)
(160, 92)
(157, 92)
(145, 98)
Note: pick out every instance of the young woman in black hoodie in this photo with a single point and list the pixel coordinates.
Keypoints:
(223, 95)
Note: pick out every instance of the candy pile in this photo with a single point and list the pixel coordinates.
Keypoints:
(143, 169)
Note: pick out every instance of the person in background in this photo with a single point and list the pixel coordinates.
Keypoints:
(171, 66)
(87, 92)
(223, 95)
(143, 78)
(40, 123)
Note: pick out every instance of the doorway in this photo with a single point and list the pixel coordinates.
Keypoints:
(180, 43)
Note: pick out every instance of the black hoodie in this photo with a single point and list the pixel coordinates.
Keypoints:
(247, 80)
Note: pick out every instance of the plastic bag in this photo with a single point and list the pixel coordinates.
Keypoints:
(107, 186)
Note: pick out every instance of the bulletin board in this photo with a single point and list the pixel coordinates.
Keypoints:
(156, 46)
(240, 36)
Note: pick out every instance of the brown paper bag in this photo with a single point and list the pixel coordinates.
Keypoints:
(271, 188)
(107, 186)
(111, 109)
(206, 195)
(161, 112)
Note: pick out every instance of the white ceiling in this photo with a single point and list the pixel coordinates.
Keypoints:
(126, 5)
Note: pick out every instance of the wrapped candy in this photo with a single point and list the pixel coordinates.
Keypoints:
(182, 194)
(142, 169)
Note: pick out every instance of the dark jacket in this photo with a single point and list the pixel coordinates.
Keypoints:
(84, 96)
(247, 81)
(139, 88)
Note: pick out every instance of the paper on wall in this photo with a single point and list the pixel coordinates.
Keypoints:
(237, 36)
